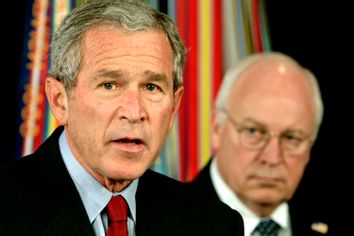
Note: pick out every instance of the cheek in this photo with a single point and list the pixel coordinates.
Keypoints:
(230, 147)
(88, 115)
(232, 156)
(161, 119)
(295, 173)
(81, 111)
(161, 112)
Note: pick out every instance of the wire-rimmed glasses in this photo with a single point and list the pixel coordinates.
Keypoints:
(254, 136)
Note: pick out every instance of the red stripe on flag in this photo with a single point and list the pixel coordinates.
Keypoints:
(180, 21)
(193, 88)
(187, 22)
(258, 47)
(217, 56)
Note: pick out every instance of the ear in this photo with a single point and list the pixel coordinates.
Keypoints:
(178, 98)
(57, 99)
(216, 129)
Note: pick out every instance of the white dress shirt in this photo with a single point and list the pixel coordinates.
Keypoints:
(251, 220)
(94, 196)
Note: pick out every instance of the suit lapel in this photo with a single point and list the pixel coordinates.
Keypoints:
(62, 205)
(203, 181)
(304, 221)
(158, 211)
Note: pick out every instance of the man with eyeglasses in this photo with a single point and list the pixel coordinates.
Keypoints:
(266, 118)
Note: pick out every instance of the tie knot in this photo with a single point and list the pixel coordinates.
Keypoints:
(117, 209)
(267, 228)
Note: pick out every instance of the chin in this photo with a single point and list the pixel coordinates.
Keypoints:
(130, 172)
(267, 196)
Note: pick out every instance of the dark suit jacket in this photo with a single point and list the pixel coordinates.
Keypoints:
(38, 197)
(303, 214)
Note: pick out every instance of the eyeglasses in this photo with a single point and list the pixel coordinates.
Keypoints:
(255, 137)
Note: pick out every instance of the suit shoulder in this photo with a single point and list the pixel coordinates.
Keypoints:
(158, 180)
(191, 212)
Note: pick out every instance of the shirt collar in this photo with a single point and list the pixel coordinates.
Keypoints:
(94, 196)
(226, 195)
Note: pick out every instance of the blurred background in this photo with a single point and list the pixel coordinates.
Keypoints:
(316, 33)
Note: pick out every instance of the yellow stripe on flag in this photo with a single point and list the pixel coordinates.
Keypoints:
(205, 38)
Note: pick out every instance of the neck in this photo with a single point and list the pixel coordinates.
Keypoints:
(116, 185)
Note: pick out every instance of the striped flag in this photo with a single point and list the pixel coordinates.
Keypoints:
(35, 119)
(218, 33)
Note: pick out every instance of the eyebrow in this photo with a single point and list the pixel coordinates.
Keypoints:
(293, 130)
(161, 78)
(150, 77)
(110, 73)
(119, 73)
(251, 120)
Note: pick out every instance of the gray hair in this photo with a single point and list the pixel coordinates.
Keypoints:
(129, 16)
(233, 74)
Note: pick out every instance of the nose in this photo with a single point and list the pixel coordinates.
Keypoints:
(132, 106)
(272, 152)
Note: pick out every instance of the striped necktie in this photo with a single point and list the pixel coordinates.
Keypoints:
(117, 211)
(267, 228)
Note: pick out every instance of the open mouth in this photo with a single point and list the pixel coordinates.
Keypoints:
(130, 141)
(130, 145)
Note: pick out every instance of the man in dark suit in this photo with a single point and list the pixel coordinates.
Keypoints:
(267, 116)
(115, 87)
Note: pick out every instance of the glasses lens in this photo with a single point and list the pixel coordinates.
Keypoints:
(294, 144)
(256, 137)
(252, 137)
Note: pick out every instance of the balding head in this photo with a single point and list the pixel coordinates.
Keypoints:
(271, 74)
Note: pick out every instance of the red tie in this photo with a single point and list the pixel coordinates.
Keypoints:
(117, 211)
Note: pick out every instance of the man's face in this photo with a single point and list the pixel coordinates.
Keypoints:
(123, 105)
(266, 102)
